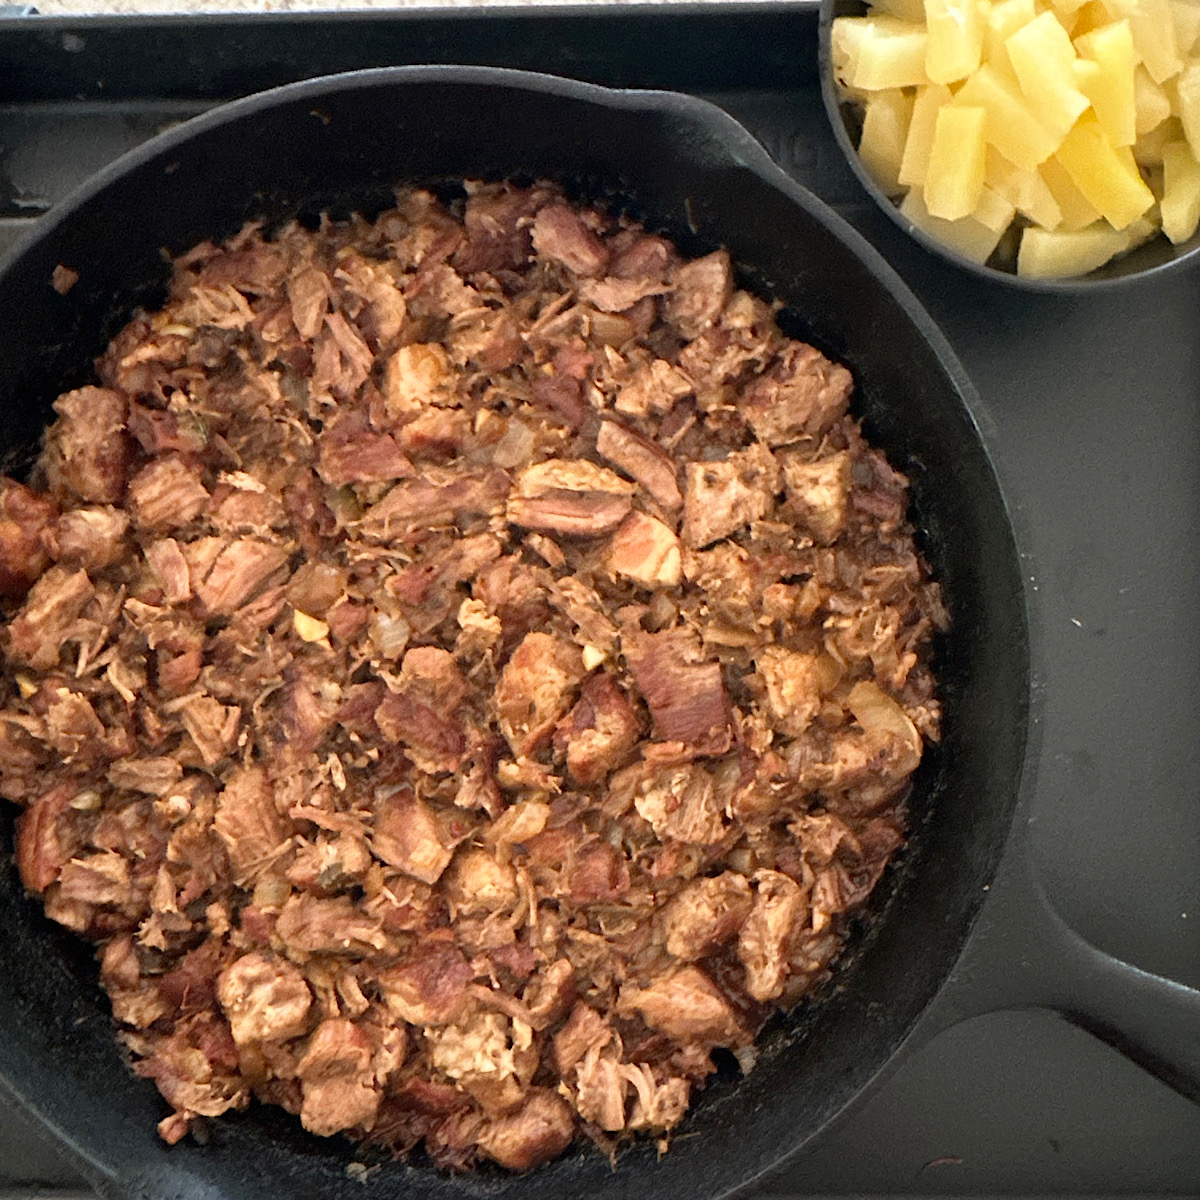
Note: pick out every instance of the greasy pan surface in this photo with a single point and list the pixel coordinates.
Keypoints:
(686, 169)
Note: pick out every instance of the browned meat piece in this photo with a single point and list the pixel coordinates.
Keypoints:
(308, 925)
(264, 999)
(654, 387)
(559, 233)
(248, 822)
(166, 560)
(409, 835)
(440, 433)
(154, 776)
(573, 497)
(335, 1073)
(351, 453)
(47, 836)
(802, 395)
(433, 740)
(705, 914)
(212, 726)
(686, 1004)
(96, 879)
(646, 551)
(792, 682)
(699, 292)
(417, 375)
(240, 571)
(477, 883)
(91, 453)
(72, 726)
(722, 497)
(681, 805)
(429, 987)
(162, 429)
(600, 1090)
(642, 461)
(771, 931)
(600, 732)
(684, 691)
(541, 1129)
(599, 872)
(535, 690)
(167, 493)
(819, 492)
(498, 236)
(37, 633)
(26, 521)
(92, 537)
(423, 503)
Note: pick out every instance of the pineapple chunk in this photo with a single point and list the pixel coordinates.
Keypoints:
(1110, 49)
(1188, 94)
(1076, 212)
(889, 54)
(1186, 15)
(994, 211)
(1042, 56)
(1010, 126)
(1153, 35)
(906, 10)
(966, 236)
(845, 39)
(885, 129)
(1003, 21)
(1150, 102)
(1066, 9)
(1025, 190)
(954, 180)
(1046, 254)
(1148, 149)
(1103, 175)
(919, 142)
(1091, 16)
(955, 39)
(1181, 192)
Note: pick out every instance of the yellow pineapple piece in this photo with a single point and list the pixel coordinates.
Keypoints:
(954, 180)
(1110, 50)
(955, 39)
(885, 129)
(1186, 16)
(906, 10)
(1065, 10)
(1058, 254)
(1076, 212)
(1181, 192)
(1103, 175)
(919, 143)
(890, 54)
(1010, 124)
(1150, 102)
(1148, 149)
(966, 236)
(1042, 56)
(1025, 190)
(1003, 21)
(845, 38)
(994, 211)
(1187, 91)
(1091, 16)
(1153, 30)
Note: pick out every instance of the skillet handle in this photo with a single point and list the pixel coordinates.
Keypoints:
(1022, 954)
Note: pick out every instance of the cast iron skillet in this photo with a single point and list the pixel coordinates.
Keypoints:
(683, 166)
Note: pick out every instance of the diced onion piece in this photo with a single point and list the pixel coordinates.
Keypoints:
(1111, 91)
(968, 237)
(1057, 254)
(1181, 192)
(1041, 54)
(955, 39)
(878, 713)
(955, 177)
(515, 447)
(1102, 175)
(885, 130)
(919, 142)
(310, 629)
(389, 634)
(1010, 124)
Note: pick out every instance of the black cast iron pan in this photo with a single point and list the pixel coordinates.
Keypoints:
(925, 959)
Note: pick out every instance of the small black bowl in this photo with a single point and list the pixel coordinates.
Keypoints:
(1154, 257)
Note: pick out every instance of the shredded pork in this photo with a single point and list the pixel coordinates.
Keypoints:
(461, 670)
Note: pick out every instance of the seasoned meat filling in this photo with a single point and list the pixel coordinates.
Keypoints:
(460, 670)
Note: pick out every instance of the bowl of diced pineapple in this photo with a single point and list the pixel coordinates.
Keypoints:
(1050, 143)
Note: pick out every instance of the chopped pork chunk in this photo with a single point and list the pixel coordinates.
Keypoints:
(460, 669)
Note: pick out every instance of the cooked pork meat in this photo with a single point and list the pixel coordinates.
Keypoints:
(460, 670)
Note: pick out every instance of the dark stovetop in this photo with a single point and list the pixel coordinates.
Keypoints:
(1091, 409)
